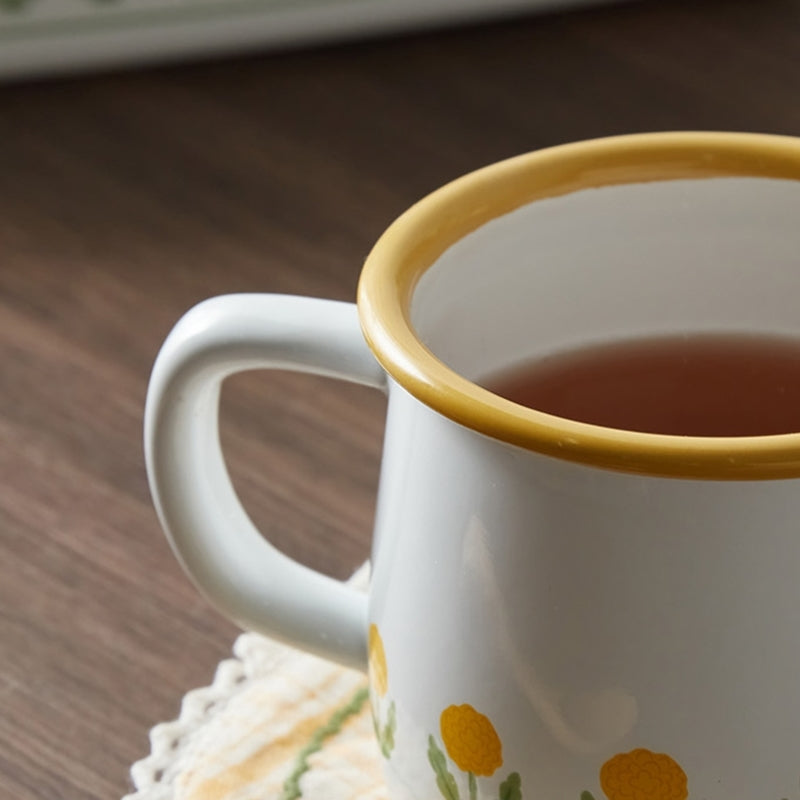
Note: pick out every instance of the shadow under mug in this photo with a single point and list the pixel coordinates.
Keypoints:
(556, 610)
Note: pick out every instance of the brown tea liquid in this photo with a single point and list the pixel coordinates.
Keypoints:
(686, 385)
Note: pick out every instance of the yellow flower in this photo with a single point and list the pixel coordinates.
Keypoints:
(378, 673)
(471, 740)
(642, 775)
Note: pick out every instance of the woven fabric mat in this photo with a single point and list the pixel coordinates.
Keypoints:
(276, 724)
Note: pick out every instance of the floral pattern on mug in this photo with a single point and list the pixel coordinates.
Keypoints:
(642, 775)
(378, 671)
(379, 681)
(473, 745)
(471, 740)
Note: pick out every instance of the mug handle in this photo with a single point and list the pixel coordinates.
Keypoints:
(243, 575)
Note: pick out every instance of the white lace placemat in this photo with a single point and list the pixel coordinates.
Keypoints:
(276, 724)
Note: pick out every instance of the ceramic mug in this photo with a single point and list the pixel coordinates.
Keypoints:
(557, 610)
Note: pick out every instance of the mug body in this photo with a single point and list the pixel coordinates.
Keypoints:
(547, 618)
(557, 609)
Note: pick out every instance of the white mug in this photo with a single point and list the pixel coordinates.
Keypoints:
(557, 610)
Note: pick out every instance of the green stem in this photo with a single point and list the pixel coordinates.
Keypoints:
(473, 787)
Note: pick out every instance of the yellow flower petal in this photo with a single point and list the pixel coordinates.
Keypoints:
(642, 775)
(378, 672)
(471, 740)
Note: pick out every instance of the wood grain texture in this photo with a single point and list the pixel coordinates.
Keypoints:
(125, 199)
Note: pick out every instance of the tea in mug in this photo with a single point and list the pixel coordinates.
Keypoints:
(700, 384)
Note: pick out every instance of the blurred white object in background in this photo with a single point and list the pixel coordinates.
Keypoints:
(54, 36)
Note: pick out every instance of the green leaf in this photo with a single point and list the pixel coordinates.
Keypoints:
(585, 795)
(376, 723)
(444, 780)
(386, 736)
(391, 718)
(511, 787)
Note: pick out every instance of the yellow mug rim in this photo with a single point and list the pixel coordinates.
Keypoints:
(417, 238)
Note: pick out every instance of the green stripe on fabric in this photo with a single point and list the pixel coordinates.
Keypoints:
(291, 786)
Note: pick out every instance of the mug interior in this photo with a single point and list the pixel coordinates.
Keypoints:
(615, 262)
(582, 244)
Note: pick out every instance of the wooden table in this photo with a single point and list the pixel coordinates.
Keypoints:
(127, 198)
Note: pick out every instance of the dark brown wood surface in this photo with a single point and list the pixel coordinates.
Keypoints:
(125, 199)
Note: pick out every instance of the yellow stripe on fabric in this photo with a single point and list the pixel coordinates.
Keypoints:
(291, 788)
(266, 759)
